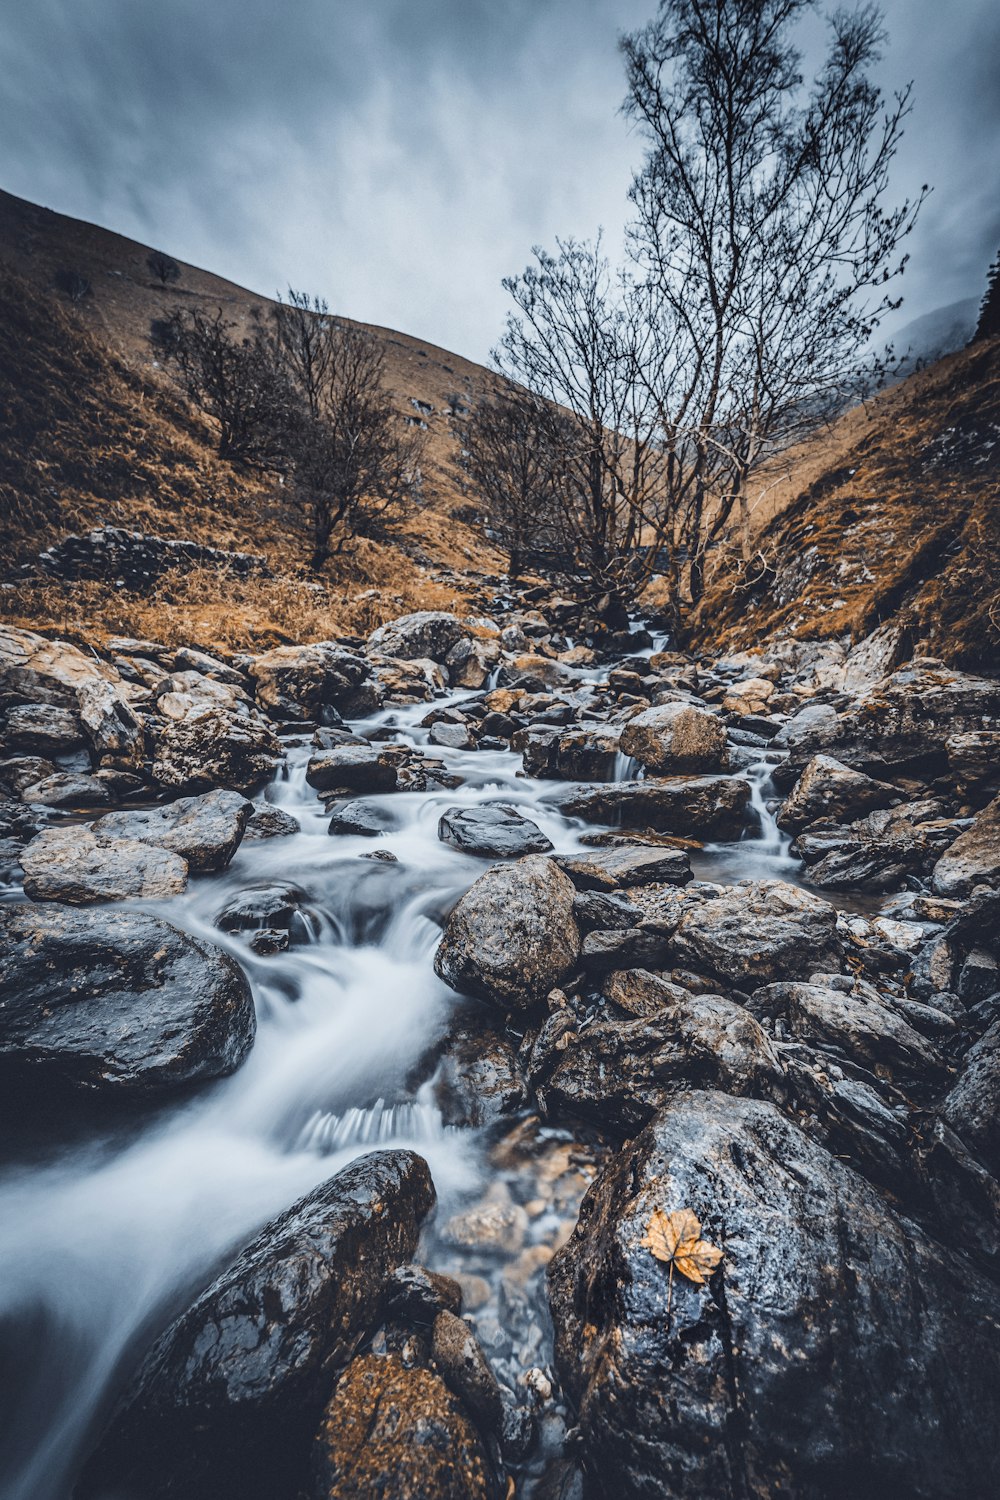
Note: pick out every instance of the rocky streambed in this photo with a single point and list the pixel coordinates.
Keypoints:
(362, 1005)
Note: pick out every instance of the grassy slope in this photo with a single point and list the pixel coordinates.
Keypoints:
(895, 511)
(91, 431)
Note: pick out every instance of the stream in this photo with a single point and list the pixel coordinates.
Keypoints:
(106, 1235)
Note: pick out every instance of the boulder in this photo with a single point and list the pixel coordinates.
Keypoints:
(584, 753)
(974, 857)
(470, 661)
(815, 725)
(703, 807)
(353, 768)
(628, 865)
(81, 866)
(188, 659)
(879, 851)
(185, 693)
(512, 936)
(829, 789)
(302, 682)
(206, 830)
(676, 737)
(397, 1432)
(213, 747)
(35, 670)
(269, 822)
(115, 1003)
(492, 831)
(477, 1080)
(228, 1399)
(972, 1108)
(836, 1350)
(751, 696)
(69, 789)
(854, 1027)
(428, 633)
(649, 1038)
(43, 729)
(758, 931)
(875, 657)
(903, 724)
(453, 736)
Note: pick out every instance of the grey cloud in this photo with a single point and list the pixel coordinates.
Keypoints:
(400, 156)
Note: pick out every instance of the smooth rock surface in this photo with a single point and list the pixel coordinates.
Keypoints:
(117, 1003)
(492, 832)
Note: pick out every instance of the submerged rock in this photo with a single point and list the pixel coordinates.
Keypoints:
(512, 936)
(226, 1403)
(836, 1350)
(115, 1002)
(492, 832)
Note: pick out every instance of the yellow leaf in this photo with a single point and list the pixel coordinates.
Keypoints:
(675, 1238)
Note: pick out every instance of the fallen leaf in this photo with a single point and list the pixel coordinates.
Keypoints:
(675, 1238)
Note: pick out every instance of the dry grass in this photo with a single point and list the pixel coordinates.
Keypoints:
(213, 609)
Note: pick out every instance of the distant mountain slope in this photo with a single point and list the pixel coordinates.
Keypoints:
(943, 330)
(896, 511)
(125, 297)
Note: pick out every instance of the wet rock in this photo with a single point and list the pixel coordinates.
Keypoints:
(81, 866)
(852, 1026)
(205, 831)
(356, 768)
(214, 746)
(492, 831)
(903, 724)
(706, 807)
(628, 865)
(757, 931)
(452, 736)
(622, 1067)
(751, 696)
(268, 822)
(266, 905)
(43, 729)
(21, 771)
(229, 1397)
(35, 670)
(301, 682)
(357, 817)
(393, 1431)
(605, 910)
(879, 851)
(829, 789)
(417, 1295)
(613, 948)
(972, 1108)
(835, 1345)
(585, 753)
(478, 1079)
(676, 737)
(812, 727)
(117, 1003)
(471, 660)
(538, 747)
(974, 858)
(512, 936)
(428, 633)
(69, 789)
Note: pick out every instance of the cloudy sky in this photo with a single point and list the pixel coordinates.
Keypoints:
(400, 156)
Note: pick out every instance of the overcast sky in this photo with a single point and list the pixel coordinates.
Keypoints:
(400, 156)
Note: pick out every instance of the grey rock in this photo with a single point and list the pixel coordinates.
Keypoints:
(704, 807)
(757, 931)
(205, 831)
(81, 866)
(115, 1003)
(676, 737)
(492, 831)
(974, 857)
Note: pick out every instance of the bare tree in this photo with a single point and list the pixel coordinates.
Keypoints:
(163, 267)
(236, 382)
(306, 338)
(355, 467)
(577, 339)
(509, 458)
(761, 236)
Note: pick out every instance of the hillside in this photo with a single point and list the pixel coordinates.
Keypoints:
(894, 511)
(92, 432)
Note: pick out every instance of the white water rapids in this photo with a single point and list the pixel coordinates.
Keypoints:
(105, 1238)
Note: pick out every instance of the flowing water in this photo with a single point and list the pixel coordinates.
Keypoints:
(107, 1233)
